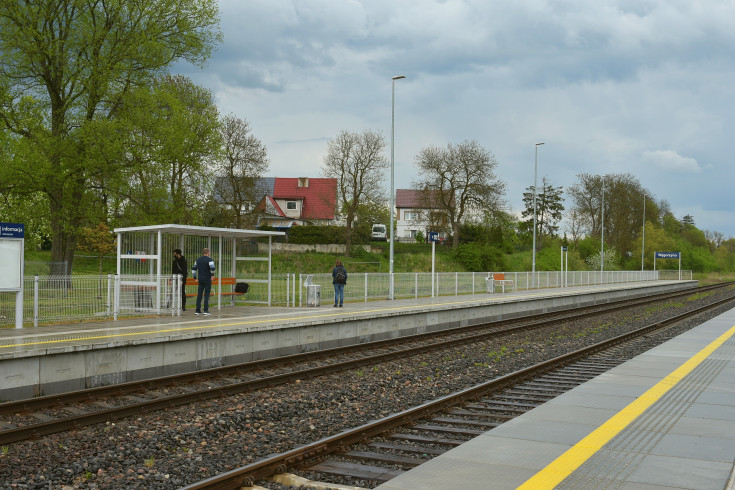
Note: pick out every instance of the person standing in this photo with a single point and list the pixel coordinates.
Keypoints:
(203, 271)
(180, 266)
(339, 279)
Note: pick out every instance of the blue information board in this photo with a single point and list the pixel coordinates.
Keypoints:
(12, 230)
(667, 255)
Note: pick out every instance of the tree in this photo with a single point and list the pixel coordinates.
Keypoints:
(159, 147)
(460, 181)
(98, 240)
(68, 63)
(623, 199)
(243, 162)
(549, 207)
(357, 162)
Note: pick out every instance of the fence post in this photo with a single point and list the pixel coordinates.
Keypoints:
(456, 283)
(300, 290)
(366, 287)
(116, 306)
(35, 300)
(288, 288)
(109, 294)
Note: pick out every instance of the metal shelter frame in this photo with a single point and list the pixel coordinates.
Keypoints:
(155, 245)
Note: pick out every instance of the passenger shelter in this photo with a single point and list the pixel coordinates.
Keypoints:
(145, 254)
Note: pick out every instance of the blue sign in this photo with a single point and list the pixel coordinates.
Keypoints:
(563, 249)
(12, 230)
(668, 255)
(433, 236)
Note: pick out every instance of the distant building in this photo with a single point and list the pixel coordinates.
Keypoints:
(418, 211)
(299, 201)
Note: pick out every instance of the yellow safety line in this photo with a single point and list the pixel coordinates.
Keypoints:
(564, 465)
(220, 325)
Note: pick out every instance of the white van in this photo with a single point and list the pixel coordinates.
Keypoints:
(379, 234)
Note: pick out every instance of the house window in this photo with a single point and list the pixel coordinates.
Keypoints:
(291, 205)
(411, 215)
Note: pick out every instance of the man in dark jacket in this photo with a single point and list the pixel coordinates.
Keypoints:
(203, 271)
(180, 266)
(339, 279)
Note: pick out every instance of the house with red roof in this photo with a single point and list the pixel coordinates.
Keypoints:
(299, 201)
(418, 211)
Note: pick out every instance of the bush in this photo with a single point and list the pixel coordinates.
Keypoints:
(480, 258)
(313, 235)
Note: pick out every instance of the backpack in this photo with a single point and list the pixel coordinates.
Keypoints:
(340, 276)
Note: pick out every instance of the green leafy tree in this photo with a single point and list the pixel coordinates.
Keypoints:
(160, 147)
(65, 64)
(549, 208)
(98, 241)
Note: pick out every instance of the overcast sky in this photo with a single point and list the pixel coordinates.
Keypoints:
(630, 86)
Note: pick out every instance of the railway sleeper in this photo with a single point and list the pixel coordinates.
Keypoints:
(448, 430)
(427, 439)
(513, 404)
(357, 471)
(474, 423)
(500, 418)
(406, 448)
(385, 458)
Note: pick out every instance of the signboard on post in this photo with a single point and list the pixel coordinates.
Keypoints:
(667, 255)
(12, 242)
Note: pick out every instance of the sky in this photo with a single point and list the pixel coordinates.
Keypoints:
(640, 87)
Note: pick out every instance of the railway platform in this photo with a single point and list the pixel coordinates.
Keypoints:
(663, 420)
(52, 359)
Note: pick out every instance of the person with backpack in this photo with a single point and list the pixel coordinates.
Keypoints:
(339, 279)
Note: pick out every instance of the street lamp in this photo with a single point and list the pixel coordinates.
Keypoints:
(392, 172)
(643, 244)
(602, 229)
(535, 172)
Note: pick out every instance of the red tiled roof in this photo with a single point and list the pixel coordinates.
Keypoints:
(320, 197)
(411, 198)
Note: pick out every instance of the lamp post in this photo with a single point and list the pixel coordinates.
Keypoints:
(643, 243)
(392, 172)
(535, 172)
(602, 230)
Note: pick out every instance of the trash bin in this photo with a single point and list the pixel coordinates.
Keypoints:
(313, 295)
(313, 291)
(490, 284)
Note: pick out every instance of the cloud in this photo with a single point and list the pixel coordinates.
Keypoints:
(670, 160)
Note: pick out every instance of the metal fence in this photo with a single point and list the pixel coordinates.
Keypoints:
(56, 299)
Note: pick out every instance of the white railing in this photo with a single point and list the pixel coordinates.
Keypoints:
(58, 299)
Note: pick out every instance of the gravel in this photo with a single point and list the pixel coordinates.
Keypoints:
(173, 448)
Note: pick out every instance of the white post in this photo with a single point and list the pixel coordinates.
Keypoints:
(109, 293)
(392, 178)
(416, 285)
(270, 266)
(433, 256)
(35, 300)
(366, 287)
(219, 272)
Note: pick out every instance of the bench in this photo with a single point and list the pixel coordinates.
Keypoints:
(499, 278)
(216, 281)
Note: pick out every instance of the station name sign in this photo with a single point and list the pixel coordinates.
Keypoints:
(12, 230)
(668, 255)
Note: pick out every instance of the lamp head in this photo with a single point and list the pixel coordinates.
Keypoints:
(398, 77)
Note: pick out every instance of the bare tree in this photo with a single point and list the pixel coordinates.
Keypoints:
(460, 180)
(243, 162)
(357, 162)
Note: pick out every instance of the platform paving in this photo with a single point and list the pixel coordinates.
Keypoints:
(663, 420)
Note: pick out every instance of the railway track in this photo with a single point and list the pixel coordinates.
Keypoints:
(381, 450)
(36, 417)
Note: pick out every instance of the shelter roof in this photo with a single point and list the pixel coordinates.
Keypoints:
(199, 231)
